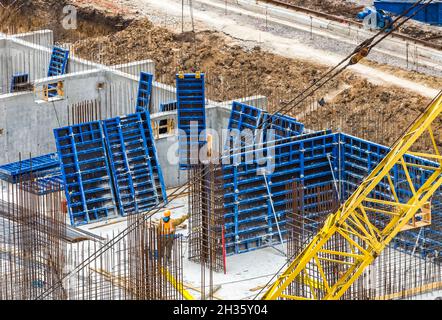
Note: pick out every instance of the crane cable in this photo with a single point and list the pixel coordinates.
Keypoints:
(175, 194)
(360, 52)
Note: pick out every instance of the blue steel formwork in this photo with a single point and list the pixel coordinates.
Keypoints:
(191, 117)
(247, 119)
(244, 117)
(18, 80)
(153, 157)
(44, 185)
(313, 160)
(249, 218)
(168, 106)
(137, 177)
(57, 67)
(283, 126)
(243, 123)
(144, 92)
(432, 14)
(85, 170)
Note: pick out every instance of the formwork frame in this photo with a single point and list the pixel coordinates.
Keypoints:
(44, 165)
(250, 221)
(119, 152)
(85, 170)
(132, 170)
(345, 162)
(144, 92)
(191, 113)
(57, 67)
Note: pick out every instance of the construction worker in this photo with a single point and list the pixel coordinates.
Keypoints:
(167, 229)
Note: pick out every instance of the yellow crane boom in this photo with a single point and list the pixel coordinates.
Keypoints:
(366, 223)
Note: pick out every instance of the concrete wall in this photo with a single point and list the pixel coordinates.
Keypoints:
(134, 68)
(27, 126)
(27, 121)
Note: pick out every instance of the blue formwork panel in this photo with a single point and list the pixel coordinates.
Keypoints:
(243, 122)
(249, 218)
(360, 157)
(44, 185)
(85, 171)
(19, 81)
(168, 106)
(191, 117)
(144, 92)
(58, 62)
(311, 160)
(33, 167)
(57, 67)
(432, 14)
(136, 174)
(153, 156)
(283, 126)
(243, 116)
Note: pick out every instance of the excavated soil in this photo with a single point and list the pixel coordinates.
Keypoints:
(26, 15)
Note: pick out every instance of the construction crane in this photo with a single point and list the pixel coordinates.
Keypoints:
(367, 222)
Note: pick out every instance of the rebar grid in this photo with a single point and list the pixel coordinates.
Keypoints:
(206, 208)
(32, 249)
(36, 252)
(400, 272)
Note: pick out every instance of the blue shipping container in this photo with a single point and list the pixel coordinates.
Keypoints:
(432, 14)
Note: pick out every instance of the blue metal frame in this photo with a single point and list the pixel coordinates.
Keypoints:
(144, 92)
(284, 126)
(44, 185)
(18, 79)
(362, 156)
(85, 171)
(432, 14)
(153, 155)
(168, 106)
(249, 219)
(133, 168)
(44, 165)
(304, 158)
(191, 108)
(57, 67)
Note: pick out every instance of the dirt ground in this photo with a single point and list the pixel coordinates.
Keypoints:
(334, 7)
(379, 113)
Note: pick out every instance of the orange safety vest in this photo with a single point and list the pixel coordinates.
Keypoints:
(167, 228)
